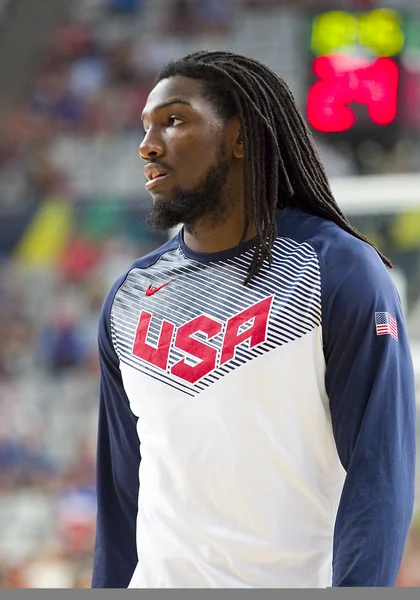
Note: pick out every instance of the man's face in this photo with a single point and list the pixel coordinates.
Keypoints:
(188, 151)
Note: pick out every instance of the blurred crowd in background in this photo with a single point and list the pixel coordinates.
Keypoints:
(65, 236)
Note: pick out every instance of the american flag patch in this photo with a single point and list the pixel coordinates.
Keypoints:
(386, 325)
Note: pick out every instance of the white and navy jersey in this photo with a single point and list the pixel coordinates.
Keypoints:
(260, 435)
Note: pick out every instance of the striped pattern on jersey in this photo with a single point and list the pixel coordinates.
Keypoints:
(216, 289)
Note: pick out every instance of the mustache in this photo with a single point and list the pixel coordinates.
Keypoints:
(159, 163)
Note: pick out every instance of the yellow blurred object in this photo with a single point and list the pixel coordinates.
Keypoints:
(405, 231)
(47, 235)
(380, 30)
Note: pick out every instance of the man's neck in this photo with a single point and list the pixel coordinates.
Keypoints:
(207, 238)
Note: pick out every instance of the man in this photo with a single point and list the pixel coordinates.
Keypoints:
(257, 409)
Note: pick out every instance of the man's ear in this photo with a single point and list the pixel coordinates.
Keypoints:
(235, 138)
(238, 148)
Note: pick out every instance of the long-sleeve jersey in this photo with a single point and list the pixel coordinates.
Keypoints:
(257, 435)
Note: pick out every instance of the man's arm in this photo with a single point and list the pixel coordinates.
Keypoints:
(370, 385)
(118, 461)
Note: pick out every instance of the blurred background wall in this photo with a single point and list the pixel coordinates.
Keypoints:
(74, 79)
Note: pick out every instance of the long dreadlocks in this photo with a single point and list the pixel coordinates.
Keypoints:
(282, 166)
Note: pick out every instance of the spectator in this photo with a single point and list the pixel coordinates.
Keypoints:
(61, 344)
(53, 99)
(215, 16)
(88, 74)
(182, 19)
(123, 6)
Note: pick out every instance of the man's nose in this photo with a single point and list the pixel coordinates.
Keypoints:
(151, 146)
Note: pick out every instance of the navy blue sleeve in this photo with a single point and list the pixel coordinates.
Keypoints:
(370, 386)
(118, 461)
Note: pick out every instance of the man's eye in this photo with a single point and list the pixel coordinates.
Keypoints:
(174, 121)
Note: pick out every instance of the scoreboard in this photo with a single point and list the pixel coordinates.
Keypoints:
(357, 70)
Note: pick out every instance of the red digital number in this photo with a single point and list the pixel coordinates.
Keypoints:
(346, 79)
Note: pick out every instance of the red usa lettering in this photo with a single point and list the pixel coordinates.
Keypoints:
(246, 327)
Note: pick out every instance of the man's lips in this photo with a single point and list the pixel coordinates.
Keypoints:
(155, 181)
(154, 174)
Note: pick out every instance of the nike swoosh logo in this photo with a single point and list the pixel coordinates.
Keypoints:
(150, 291)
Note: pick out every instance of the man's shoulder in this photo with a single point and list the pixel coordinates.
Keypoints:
(343, 258)
(143, 262)
(330, 241)
(152, 257)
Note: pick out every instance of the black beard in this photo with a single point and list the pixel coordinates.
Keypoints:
(186, 207)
